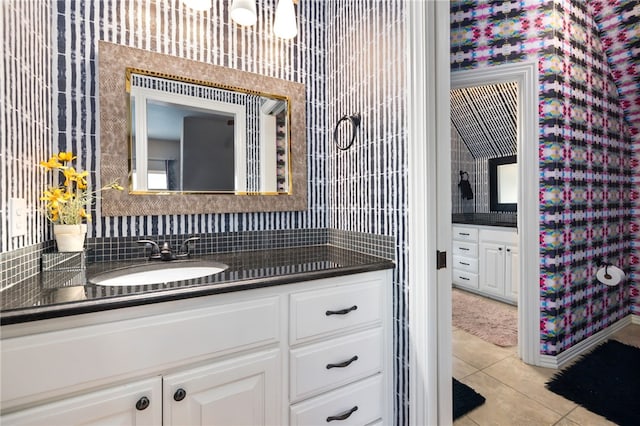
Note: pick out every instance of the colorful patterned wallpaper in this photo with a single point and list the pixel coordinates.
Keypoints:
(585, 154)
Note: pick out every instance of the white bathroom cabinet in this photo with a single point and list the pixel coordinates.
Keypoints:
(486, 261)
(289, 354)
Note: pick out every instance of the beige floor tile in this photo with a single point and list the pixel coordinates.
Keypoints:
(530, 381)
(464, 421)
(461, 368)
(566, 422)
(629, 335)
(477, 352)
(506, 406)
(584, 417)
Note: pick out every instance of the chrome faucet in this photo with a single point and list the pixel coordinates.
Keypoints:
(165, 252)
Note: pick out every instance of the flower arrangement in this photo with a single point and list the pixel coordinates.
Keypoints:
(67, 203)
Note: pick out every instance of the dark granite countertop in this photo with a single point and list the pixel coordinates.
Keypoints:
(486, 219)
(69, 292)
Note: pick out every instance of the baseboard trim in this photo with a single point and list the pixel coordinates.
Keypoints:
(560, 360)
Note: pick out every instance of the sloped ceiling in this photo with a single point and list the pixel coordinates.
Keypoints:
(619, 26)
(485, 118)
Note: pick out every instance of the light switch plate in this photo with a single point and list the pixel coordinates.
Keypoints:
(17, 217)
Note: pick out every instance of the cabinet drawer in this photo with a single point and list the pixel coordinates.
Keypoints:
(465, 264)
(356, 404)
(464, 278)
(324, 366)
(467, 249)
(327, 311)
(465, 234)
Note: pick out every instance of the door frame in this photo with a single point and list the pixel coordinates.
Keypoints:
(429, 216)
(525, 74)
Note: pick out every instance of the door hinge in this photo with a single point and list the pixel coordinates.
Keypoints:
(441, 261)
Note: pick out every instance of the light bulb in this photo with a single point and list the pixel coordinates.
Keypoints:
(198, 4)
(285, 25)
(243, 12)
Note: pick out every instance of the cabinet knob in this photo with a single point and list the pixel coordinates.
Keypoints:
(142, 403)
(500, 248)
(344, 415)
(179, 395)
(509, 250)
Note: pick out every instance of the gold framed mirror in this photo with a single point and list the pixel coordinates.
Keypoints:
(118, 135)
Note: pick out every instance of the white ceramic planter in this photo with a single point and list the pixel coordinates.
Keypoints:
(70, 238)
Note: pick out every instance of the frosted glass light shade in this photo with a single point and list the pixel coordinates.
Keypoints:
(243, 12)
(285, 25)
(198, 4)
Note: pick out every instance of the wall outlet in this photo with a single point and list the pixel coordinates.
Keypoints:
(17, 217)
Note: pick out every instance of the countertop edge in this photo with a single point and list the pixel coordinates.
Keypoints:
(91, 306)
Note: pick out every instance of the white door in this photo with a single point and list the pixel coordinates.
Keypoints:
(138, 403)
(492, 268)
(241, 391)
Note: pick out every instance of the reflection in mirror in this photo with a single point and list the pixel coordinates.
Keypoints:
(189, 136)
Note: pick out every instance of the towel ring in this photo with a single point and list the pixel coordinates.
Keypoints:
(354, 119)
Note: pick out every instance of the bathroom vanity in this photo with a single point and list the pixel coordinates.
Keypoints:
(486, 260)
(305, 347)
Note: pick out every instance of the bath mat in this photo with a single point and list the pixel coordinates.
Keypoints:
(604, 382)
(465, 399)
(493, 321)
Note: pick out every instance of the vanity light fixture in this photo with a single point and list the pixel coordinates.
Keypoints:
(200, 5)
(243, 12)
(285, 25)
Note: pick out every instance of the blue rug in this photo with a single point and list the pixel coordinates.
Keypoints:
(605, 382)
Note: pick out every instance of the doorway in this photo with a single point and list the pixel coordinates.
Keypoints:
(524, 76)
(484, 189)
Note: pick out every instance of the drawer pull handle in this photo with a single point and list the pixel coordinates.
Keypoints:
(342, 364)
(142, 403)
(179, 395)
(343, 416)
(342, 311)
(463, 263)
(464, 249)
(464, 278)
(466, 234)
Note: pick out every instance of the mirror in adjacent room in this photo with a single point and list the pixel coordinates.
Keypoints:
(188, 136)
(503, 184)
(192, 137)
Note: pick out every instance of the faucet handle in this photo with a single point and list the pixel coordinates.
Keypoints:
(184, 247)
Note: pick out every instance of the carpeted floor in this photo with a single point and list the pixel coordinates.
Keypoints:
(493, 321)
(605, 382)
(465, 399)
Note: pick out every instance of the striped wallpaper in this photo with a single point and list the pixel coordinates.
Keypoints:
(26, 114)
(367, 183)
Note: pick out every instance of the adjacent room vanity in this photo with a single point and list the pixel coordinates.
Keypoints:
(486, 260)
(313, 350)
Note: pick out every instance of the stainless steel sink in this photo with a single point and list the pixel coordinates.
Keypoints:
(158, 273)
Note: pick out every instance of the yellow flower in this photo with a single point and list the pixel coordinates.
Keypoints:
(66, 156)
(51, 164)
(68, 203)
(84, 214)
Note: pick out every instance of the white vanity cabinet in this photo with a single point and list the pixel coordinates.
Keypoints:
(487, 261)
(137, 404)
(255, 357)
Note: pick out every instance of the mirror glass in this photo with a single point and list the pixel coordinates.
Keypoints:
(503, 184)
(190, 136)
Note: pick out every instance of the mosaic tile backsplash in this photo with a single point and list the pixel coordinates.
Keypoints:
(585, 153)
